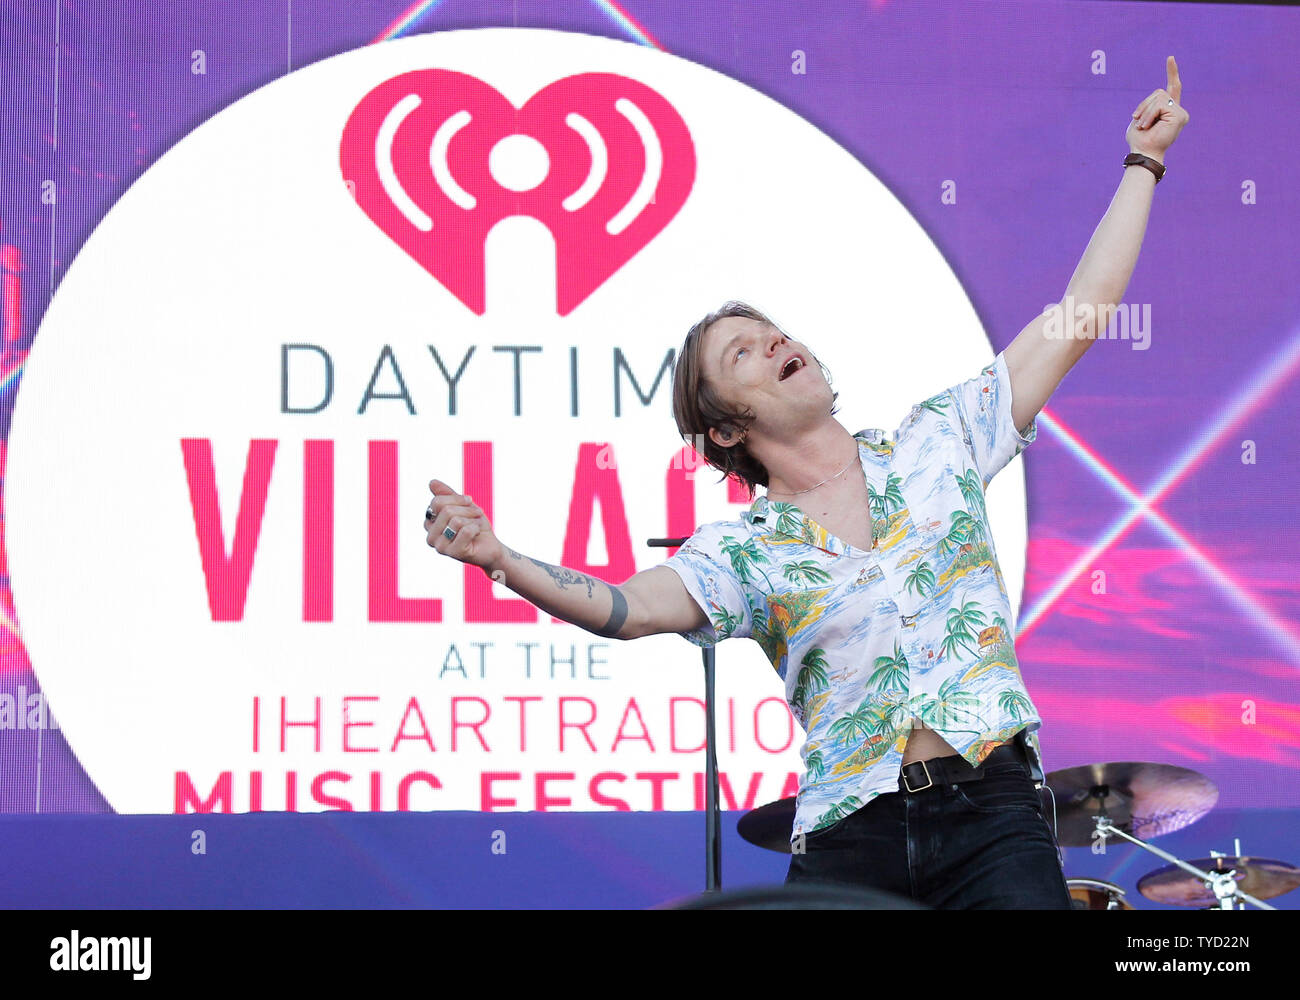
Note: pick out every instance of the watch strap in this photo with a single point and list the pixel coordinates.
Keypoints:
(1139, 159)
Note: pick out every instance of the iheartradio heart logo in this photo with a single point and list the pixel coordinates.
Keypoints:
(619, 164)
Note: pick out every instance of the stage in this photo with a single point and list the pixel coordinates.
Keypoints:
(445, 860)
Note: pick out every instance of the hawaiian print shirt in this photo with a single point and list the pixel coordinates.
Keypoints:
(865, 641)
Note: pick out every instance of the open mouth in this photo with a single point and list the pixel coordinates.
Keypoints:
(790, 367)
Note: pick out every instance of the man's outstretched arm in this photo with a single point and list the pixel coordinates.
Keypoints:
(1038, 358)
(652, 601)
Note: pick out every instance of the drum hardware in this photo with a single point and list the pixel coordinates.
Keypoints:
(1131, 797)
(1096, 894)
(1252, 878)
(1138, 798)
(769, 826)
(1131, 800)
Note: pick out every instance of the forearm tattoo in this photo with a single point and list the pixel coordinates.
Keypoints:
(564, 578)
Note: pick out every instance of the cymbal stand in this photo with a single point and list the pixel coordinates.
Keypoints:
(1223, 883)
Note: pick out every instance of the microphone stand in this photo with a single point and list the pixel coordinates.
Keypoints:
(712, 815)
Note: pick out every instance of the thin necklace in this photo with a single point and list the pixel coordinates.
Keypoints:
(822, 483)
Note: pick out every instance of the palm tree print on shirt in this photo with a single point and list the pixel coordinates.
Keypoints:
(1015, 703)
(891, 671)
(952, 704)
(959, 624)
(845, 807)
(885, 507)
(921, 578)
(745, 559)
(972, 491)
(812, 679)
(805, 571)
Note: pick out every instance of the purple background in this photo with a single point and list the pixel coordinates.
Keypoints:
(998, 97)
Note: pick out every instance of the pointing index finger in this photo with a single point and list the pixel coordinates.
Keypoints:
(1175, 87)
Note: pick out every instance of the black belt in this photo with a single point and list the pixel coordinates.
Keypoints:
(953, 769)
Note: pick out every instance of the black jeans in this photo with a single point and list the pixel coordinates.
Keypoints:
(983, 844)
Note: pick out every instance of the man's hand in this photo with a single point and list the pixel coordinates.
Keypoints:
(474, 542)
(1156, 123)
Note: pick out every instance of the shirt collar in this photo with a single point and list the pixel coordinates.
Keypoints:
(872, 444)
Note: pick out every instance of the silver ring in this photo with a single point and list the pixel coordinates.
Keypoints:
(1171, 100)
(449, 534)
(429, 515)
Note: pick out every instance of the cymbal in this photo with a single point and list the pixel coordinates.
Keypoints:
(1142, 799)
(769, 826)
(1262, 878)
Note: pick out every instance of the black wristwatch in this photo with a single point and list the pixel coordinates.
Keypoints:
(1138, 159)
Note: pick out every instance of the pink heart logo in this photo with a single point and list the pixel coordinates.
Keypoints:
(621, 163)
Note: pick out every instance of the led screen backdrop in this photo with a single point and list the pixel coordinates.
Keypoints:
(271, 268)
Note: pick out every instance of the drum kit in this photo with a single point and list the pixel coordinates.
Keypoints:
(1132, 801)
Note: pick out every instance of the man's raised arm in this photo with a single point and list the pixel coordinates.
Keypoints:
(1040, 355)
(652, 601)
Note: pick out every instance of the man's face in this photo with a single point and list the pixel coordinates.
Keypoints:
(754, 365)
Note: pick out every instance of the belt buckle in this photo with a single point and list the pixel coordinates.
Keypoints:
(908, 784)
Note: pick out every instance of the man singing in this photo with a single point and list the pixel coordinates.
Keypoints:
(868, 575)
